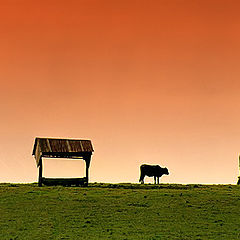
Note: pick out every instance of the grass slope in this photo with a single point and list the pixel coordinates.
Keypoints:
(120, 211)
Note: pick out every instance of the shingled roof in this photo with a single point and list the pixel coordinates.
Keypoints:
(54, 146)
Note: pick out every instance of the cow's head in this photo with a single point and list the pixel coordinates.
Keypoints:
(165, 171)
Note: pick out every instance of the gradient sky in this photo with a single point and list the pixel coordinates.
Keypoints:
(148, 81)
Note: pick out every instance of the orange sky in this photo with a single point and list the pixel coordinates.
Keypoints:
(148, 81)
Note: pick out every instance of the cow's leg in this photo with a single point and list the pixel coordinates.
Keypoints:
(142, 179)
(155, 179)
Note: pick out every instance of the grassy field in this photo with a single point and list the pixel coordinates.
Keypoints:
(120, 211)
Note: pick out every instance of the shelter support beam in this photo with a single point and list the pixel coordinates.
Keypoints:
(40, 173)
(238, 183)
(87, 159)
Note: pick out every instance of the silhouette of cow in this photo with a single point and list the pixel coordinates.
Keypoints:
(152, 171)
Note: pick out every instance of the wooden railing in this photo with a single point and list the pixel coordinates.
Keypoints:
(64, 181)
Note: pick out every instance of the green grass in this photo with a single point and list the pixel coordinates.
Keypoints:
(120, 211)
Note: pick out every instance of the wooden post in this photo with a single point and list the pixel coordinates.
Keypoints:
(40, 173)
(238, 183)
(87, 160)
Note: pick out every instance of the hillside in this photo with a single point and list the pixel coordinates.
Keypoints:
(119, 211)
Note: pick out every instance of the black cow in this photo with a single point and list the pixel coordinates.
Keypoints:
(152, 171)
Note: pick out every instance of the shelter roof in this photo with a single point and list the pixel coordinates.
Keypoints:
(54, 145)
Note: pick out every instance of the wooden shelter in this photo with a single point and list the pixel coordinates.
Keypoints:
(62, 148)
